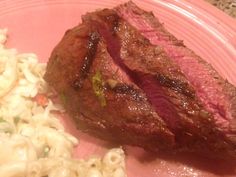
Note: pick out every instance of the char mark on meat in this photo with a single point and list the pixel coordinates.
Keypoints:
(177, 85)
(87, 61)
(122, 88)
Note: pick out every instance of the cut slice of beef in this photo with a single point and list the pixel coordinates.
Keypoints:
(119, 84)
(100, 96)
(166, 87)
(216, 93)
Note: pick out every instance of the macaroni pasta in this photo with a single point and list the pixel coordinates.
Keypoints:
(33, 142)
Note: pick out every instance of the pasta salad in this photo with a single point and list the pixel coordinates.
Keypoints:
(33, 142)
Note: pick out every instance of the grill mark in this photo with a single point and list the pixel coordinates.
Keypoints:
(176, 85)
(93, 40)
(123, 88)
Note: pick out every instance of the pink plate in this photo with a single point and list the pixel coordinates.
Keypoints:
(38, 25)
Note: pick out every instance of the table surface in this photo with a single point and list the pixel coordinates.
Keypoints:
(228, 6)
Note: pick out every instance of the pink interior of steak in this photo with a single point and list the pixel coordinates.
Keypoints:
(146, 81)
(199, 73)
(163, 106)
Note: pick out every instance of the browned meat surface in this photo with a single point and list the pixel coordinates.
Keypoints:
(99, 96)
(217, 94)
(118, 85)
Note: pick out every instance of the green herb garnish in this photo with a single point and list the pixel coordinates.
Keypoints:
(98, 88)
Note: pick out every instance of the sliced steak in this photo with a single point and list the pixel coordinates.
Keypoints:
(119, 84)
(216, 93)
(166, 87)
(100, 96)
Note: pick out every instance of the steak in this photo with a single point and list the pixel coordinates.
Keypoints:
(99, 95)
(122, 83)
(216, 93)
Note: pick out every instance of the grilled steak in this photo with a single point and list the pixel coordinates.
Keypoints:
(217, 95)
(99, 95)
(120, 82)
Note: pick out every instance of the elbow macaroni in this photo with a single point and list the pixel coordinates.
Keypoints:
(33, 142)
